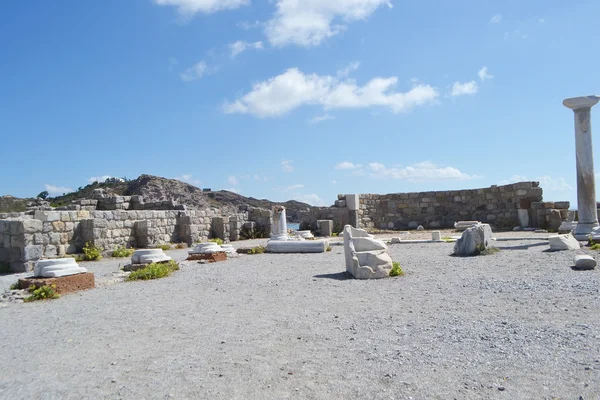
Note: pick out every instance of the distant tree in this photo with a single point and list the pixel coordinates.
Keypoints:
(43, 195)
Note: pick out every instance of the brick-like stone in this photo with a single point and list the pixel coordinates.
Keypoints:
(64, 284)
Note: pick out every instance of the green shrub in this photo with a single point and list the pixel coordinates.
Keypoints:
(5, 268)
(447, 239)
(14, 286)
(595, 246)
(164, 246)
(91, 253)
(482, 251)
(42, 293)
(121, 252)
(154, 271)
(396, 269)
(328, 248)
(257, 250)
(217, 241)
(335, 234)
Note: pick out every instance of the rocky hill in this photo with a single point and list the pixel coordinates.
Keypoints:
(154, 189)
(13, 204)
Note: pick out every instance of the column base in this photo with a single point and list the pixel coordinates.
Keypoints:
(584, 231)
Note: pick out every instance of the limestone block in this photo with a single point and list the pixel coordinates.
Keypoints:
(366, 257)
(567, 227)
(31, 253)
(436, 236)
(584, 262)
(554, 220)
(523, 215)
(563, 242)
(206, 248)
(57, 267)
(50, 251)
(473, 240)
(296, 246)
(325, 227)
(352, 202)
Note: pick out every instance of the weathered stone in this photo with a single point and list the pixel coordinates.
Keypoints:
(57, 268)
(366, 257)
(554, 220)
(148, 256)
(584, 262)
(473, 240)
(32, 253)
(325, 227)
(563, 242)
(436, 235)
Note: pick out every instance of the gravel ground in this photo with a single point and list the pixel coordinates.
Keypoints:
(519, 324)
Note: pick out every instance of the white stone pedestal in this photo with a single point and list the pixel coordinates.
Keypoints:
(56, 268)
(586, 180)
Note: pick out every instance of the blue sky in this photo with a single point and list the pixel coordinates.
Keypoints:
(295, 99)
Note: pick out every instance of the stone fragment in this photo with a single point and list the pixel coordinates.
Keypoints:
(436, 236)
(554, 220)
(463, 225)
(57, 267)
(420, 228)
(584, 262)
(325, 227)
(149, 256)
(523, 215)
(366, 257)
(563, 242)
(396, 240)
(352, 202)
(473, 240)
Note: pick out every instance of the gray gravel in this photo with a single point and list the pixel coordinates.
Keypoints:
(519, 324)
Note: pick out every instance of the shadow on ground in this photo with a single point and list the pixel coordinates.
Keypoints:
(339, 276)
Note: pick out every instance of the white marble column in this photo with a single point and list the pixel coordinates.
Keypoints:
(586, 180)
(279, 226)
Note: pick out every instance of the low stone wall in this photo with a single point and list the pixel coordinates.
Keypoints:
(48, 234)
(504, 207)
(496, 205)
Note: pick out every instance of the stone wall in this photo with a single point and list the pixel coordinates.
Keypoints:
(48, 234)
(496, 205)
(504, 207)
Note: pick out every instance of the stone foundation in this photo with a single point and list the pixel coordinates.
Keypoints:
(64, 284)
(211, 257)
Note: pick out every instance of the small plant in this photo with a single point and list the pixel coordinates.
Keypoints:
(181, 245)
(595, 246)
(335, 234)
(328, 248)
(154, 271)
(482, 251)
(122, 252)
(91, 252)
(396, 269)
(447, 239)
(164, 246)
(217, 241)
(42, 293)
(15, 286)
(257, 250)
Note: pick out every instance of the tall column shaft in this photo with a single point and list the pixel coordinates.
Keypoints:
(586, 180)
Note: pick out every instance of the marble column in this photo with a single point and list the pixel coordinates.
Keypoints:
(586, 180)
(279, 226)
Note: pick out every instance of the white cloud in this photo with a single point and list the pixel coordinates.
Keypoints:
(345, 165)
(287, 166)
(247, 25)
(57, 190)
(555, 184)
(312, 199)
(292, 89)
(232, 180)
(195, 72)
(233, 190)
(240, 46)
(348, 69)
(102, 178)
(424, 171)
(541, 20)
(460, 89)
(188, 8)
(173, 62)
(320, 118)
(309, 22)
(484, 74)
(334, 182)
(517, 33)
(496, 19)
(290, 188)
(546, 182)
(188, 178)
